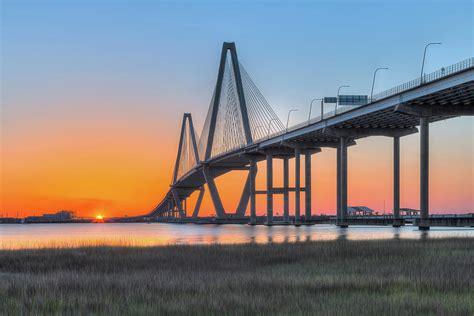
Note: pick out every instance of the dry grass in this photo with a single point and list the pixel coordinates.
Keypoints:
(331, 278)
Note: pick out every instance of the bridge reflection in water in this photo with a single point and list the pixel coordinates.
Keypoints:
(242, 129)
(158, 234)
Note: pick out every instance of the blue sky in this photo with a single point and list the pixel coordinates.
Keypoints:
(293, 50)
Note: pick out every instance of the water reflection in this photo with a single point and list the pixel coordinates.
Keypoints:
(396, 235)
(424, 235)
(342, 234)
(76, 235)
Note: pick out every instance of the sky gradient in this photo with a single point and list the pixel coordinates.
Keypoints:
(93, 92)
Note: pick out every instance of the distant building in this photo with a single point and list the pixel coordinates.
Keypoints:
(360, 211)
(61, 216)
(409, 212)
(9, 220)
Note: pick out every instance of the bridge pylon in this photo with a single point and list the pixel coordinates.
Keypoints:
(186, 159)
(242, 106)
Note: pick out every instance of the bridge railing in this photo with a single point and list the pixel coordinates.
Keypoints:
(443, 72)
(340, 109)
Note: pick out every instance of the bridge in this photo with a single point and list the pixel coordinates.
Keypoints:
(242, 129)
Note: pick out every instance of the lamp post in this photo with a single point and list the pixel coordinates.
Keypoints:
(288, 119)
(337, 98)
(269, 126)
(424, 56)
(311, 107)
(373, 81)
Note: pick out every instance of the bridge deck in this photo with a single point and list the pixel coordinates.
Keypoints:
(449, 92)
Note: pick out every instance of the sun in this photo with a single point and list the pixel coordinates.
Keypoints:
(99, 217)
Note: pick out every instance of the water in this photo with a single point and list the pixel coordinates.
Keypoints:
(158, 234)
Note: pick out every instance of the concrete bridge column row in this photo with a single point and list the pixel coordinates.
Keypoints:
(395, 134)
(342, 178)
(173, 211)
(342, 181)
(424, 112)
(178, 207)
(285, 190)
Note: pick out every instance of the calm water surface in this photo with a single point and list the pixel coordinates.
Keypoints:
(155, 234)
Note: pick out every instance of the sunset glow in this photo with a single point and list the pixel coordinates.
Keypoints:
(98, 127)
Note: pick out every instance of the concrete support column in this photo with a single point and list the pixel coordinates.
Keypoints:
(424, 174)
(307, 183)
(338, 184)
(253, 202)
(244, 198)
(286, 195)
(297, 184)
(396, 182)
(170, 209)
(343, 184)
(269, 189)
(197, 207)
(184, 206)
(216, 200)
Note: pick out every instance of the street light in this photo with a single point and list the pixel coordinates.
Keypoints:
(424, 55)
(311, 107)
(288, 119)
(373, 81)
(270, 125)
(337, 98)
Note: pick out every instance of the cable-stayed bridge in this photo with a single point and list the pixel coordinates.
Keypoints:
(242, 129)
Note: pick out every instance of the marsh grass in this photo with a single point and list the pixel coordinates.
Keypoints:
(394, 277)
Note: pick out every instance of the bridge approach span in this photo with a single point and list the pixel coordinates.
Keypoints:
(241, 129)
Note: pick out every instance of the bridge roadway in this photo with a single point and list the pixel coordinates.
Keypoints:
(395, 115)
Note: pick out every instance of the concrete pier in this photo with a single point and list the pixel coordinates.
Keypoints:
(424, 174)
(197, 207)
(396, 182)
(307, 184)
(297, 185)
(343, 184)
(338, 183)
(253, 202)
(269, 189)
(286, 196)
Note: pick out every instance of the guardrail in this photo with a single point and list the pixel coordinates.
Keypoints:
(340, 109)
(443, 72)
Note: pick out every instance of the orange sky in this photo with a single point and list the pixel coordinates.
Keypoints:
(124, 167)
